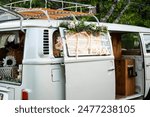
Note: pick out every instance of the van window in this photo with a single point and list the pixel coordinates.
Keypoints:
(57, 45)
(5, 16)
(147, 42)
(11, 55)
(84, 44)
(131, 44)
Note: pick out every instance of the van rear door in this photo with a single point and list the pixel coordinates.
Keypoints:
(89, 66)
(145, 37)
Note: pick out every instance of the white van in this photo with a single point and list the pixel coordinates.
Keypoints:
(39, 60)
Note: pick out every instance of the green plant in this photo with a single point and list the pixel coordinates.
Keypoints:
(80, 26)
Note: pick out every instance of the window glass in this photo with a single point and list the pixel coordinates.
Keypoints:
(5, 16)
(147, 42)
(131, 44)
(84, 44)
(11, 56)
(57, 45)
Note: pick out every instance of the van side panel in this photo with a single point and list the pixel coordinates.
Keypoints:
(31, 48)
(42, 83)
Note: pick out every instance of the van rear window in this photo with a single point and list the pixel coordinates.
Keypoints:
(11, 56)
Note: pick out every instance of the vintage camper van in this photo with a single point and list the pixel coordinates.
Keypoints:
(41, 60)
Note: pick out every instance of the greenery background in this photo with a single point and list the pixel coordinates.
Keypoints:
(133, 12)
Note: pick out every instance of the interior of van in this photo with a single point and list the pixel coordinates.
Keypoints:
(128, 65)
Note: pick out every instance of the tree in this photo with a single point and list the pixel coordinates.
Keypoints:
(110, 12)
(138, 13)
(2, 2)
(134, 12)
(121, 13)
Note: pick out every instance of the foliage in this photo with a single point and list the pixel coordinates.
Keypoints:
(130, 41)
(138, 12)
(80, 26)
(3, 2)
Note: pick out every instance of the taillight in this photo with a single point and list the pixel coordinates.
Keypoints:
(24, 95)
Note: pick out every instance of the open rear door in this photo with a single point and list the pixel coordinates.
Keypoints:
(7, 92)
(89, 66)
(146, 51)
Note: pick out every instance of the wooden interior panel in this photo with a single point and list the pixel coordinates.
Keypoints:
(116, 42)
(125, 84)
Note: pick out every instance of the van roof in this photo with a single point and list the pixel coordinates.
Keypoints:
(125, 28)
(11, 25)
(46, 17)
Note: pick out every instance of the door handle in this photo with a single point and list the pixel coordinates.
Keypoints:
(62, 64)
(148, 65)
(111, 69)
